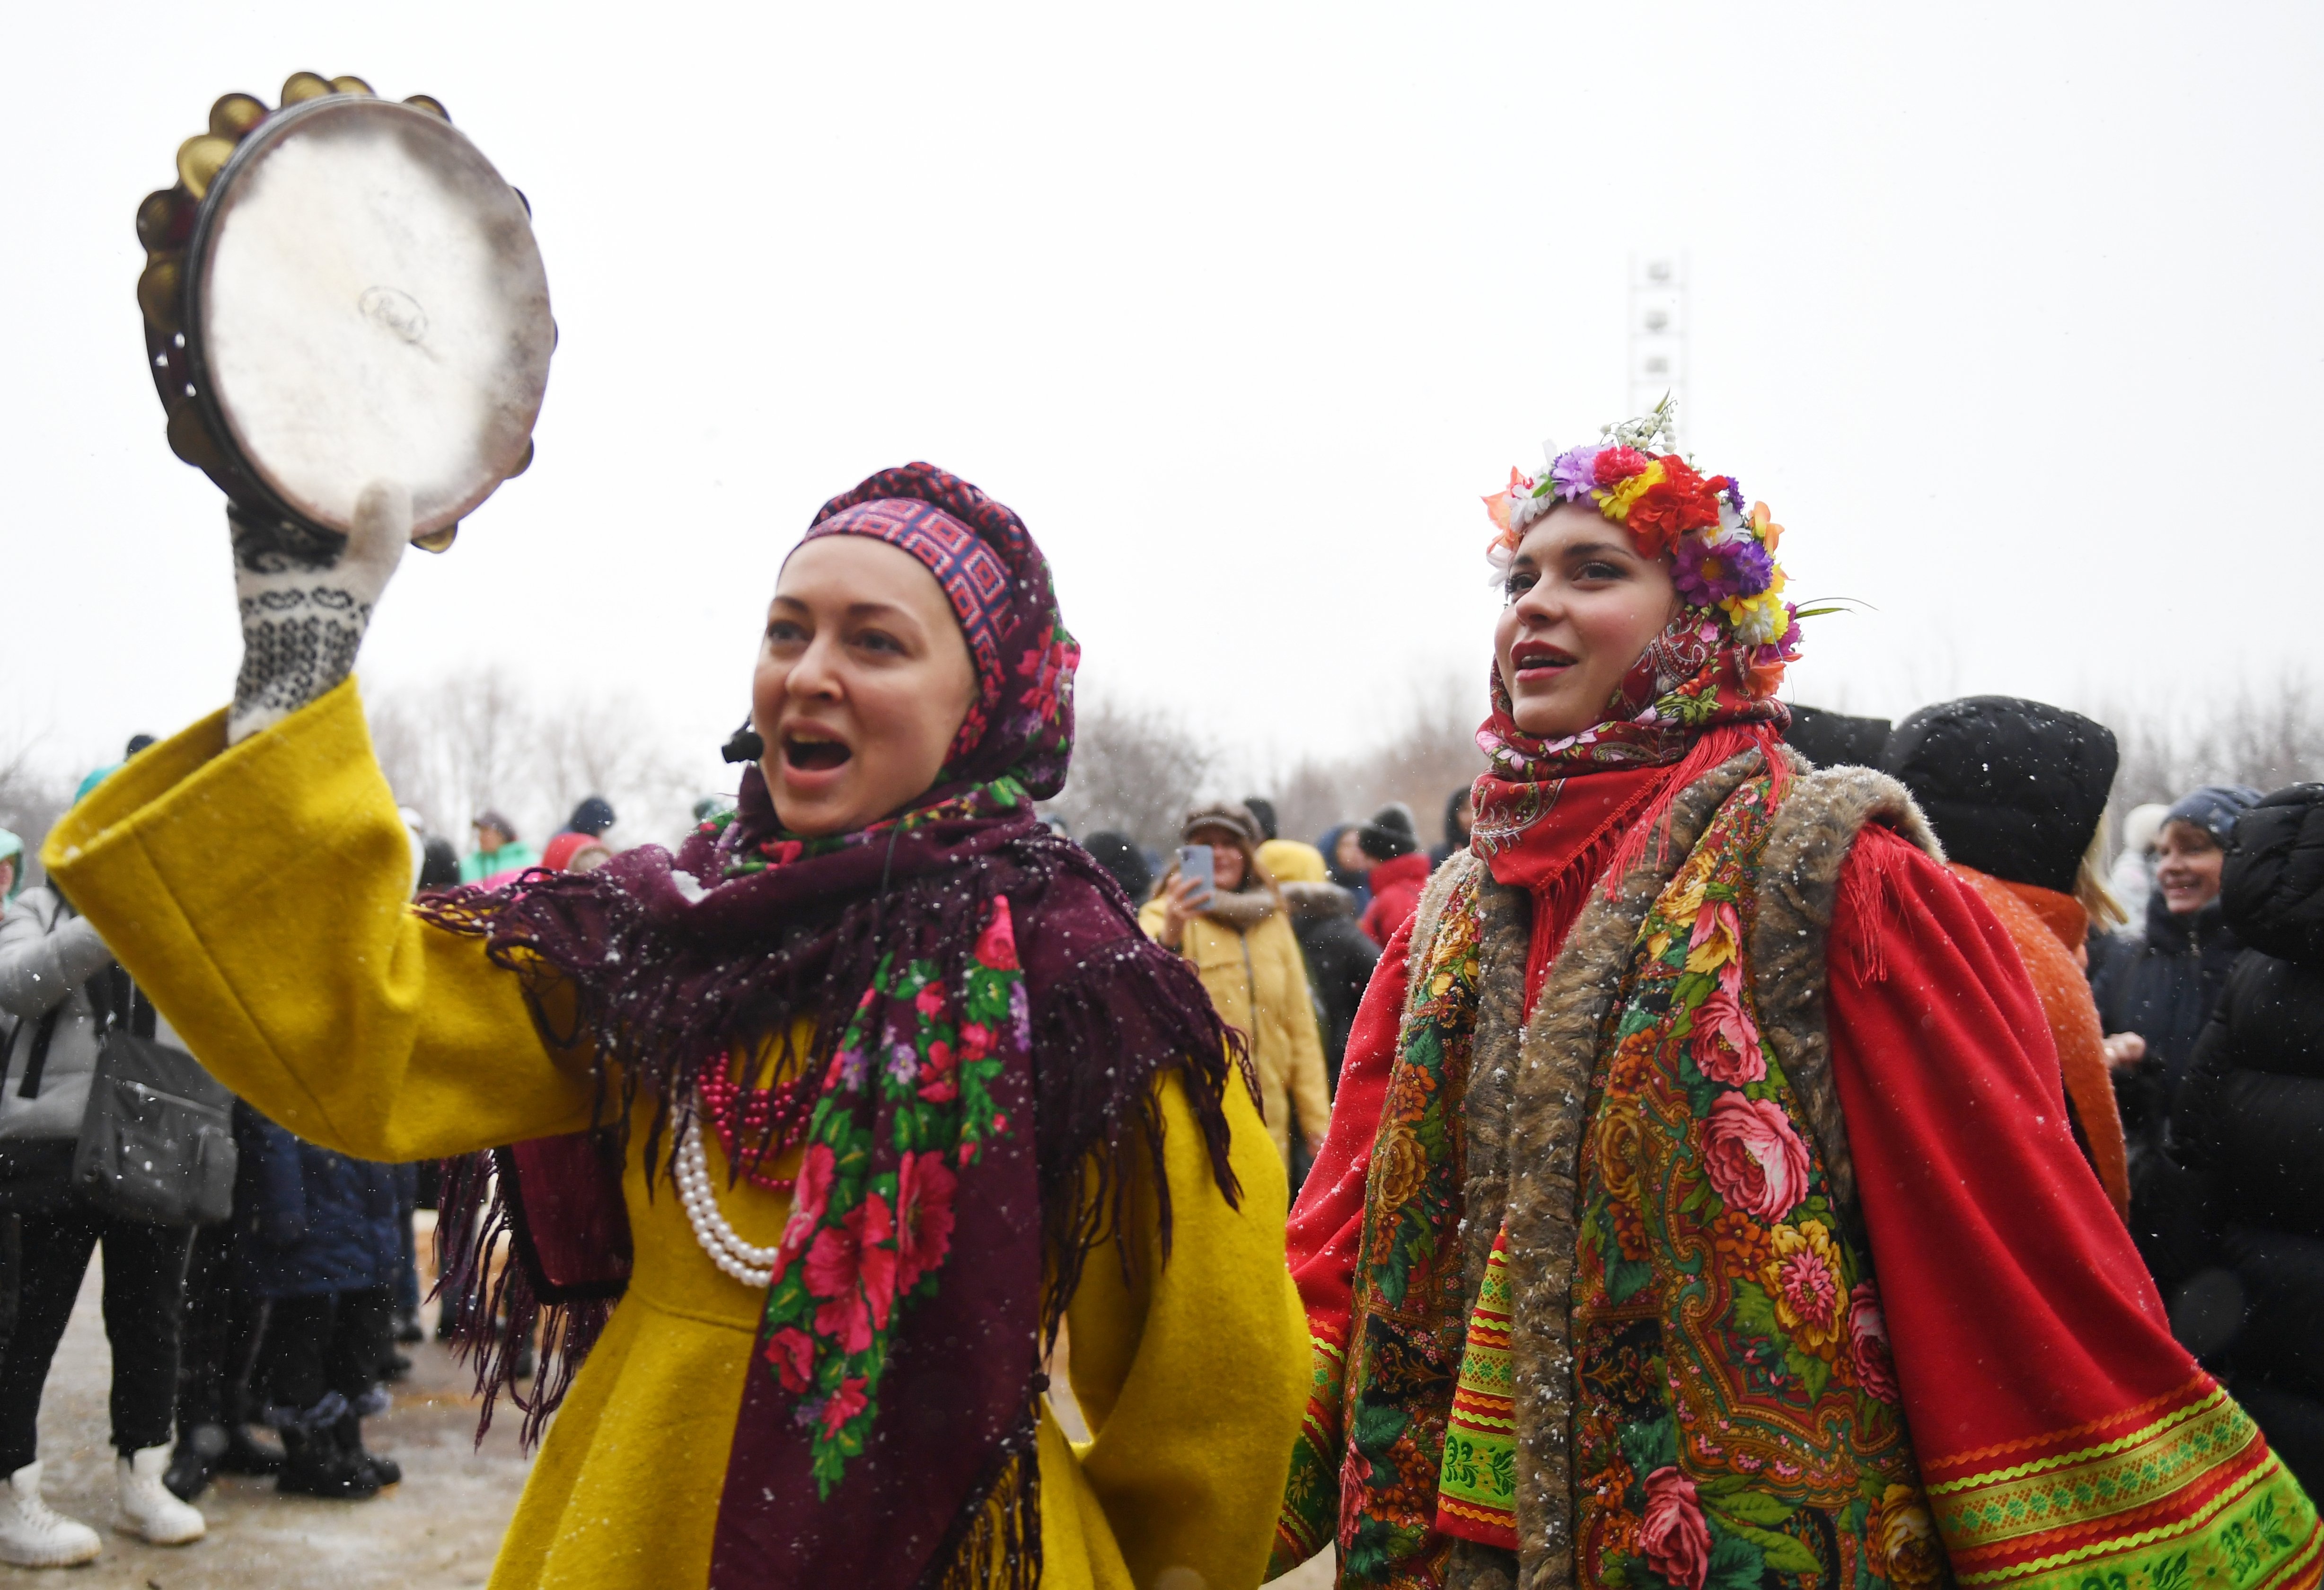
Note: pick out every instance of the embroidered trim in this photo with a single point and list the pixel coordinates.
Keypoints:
(1311, 1496)
(2189, 1497)
(1477, 1487)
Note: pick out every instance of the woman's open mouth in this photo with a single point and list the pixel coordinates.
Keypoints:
(809, 753)
(1538, 663)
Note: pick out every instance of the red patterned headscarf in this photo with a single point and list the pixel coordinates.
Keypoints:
(1021, 725)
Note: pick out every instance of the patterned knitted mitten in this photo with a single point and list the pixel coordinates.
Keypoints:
(306, 602)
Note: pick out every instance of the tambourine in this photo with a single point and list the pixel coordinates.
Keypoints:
(340, 290)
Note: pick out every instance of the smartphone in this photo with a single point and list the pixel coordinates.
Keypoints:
(1194, 862)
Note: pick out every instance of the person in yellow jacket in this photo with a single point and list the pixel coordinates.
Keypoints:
(884, 1087)
(1240, 940)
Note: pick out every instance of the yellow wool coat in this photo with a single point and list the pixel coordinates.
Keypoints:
(260, 895)
(1247, 958)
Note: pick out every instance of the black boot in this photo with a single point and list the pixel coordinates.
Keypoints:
(244, 1454)
(194, 1464)
(315, 1467)
(408, 1328)
(349, 1432)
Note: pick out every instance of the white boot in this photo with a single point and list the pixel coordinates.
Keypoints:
(147, 1507)
(32, 1534)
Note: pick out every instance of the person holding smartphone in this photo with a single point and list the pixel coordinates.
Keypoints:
(1217, 907)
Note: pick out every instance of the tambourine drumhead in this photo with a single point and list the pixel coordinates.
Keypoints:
(368, 304)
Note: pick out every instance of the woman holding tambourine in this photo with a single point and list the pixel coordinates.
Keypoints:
(852, 1104)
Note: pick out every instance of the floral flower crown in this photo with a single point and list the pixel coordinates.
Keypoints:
(1723, 561)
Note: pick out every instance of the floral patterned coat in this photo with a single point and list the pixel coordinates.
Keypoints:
(1825, 1290)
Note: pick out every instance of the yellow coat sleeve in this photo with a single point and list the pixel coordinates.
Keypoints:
(1151, 916)
(261, 895)
(1192, 1373)
(1310, 1082)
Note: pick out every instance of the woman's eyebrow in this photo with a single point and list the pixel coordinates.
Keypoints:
(1590, 549)
(866, 609)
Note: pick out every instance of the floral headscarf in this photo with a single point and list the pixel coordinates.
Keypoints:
(1013, 746)
(1705, 687)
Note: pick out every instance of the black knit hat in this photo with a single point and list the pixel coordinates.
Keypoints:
(1262, 812)
(1118, 854)
(2014, 788)
(1834, 739)
(1391, 833)
(592, 816)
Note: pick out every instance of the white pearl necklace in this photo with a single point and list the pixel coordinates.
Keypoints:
(753, 1267)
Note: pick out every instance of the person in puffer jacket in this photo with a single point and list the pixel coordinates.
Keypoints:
(319, 1243)
(2249, 1128)
(58, 982)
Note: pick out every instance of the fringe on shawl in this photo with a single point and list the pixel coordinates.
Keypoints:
(1132, 1001)
(1875, 893)
(495, 1312)
(996, 1542)
(1127, 1002)
(1708, 752)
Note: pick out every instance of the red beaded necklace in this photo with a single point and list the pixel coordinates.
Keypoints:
(776, 1116)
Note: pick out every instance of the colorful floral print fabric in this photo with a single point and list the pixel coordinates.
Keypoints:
(908, 1103)
(1735, 1411)
(1406, 1326)
(1735, 1414)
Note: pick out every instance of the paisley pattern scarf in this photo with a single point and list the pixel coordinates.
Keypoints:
(1555, 815)
(959, 966)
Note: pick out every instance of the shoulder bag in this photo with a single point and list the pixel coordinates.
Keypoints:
(157, 1141)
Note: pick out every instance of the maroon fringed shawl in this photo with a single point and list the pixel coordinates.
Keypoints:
(661, 966)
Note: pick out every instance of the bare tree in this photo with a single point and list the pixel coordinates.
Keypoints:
(479, 740)
(1136, 770)
(2265, 734)
(1432, 753)
(32, 799)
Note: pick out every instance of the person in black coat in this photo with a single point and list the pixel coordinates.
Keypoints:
(1460, 818)
(2160, 990)
(2153, 999)
(2248, 1127)
(1339, 960)
(1118, 854)
(320, 1246)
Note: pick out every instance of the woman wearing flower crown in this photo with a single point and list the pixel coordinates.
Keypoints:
(1700, 1207)
(891, 1084)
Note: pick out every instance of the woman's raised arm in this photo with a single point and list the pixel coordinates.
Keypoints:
(260, 894)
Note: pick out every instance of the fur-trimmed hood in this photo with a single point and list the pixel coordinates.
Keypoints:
(1317, 902)
(1240, 908)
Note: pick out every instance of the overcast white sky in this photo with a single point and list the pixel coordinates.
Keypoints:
(2010, 313)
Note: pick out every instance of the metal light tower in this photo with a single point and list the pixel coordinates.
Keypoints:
(1658, 331)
